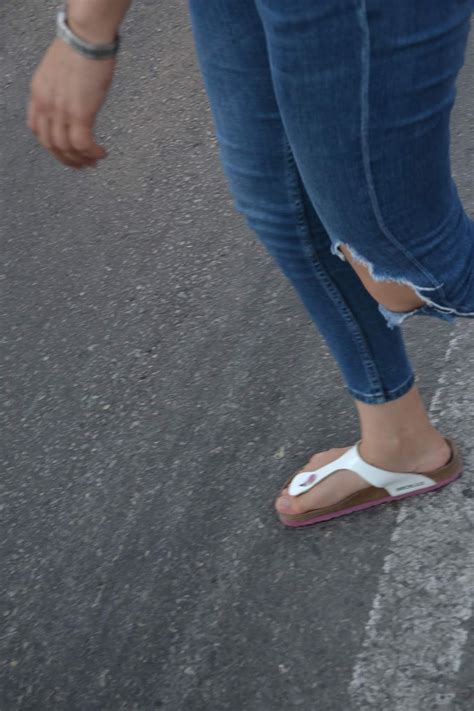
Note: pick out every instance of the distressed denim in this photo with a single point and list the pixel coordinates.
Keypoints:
(332, 119)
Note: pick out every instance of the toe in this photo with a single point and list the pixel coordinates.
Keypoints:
(284, 502)
(338, 486)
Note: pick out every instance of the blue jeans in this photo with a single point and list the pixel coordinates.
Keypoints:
(332, 118)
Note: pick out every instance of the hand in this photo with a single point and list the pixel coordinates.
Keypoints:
(67, 91)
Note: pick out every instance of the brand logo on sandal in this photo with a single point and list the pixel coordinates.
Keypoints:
(407, 486)
(309, 480)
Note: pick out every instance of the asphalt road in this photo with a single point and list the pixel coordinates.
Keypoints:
(160, 381)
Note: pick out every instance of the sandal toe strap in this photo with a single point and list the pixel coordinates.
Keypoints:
(394, 482)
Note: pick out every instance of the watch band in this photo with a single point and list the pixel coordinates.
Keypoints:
(92, 51)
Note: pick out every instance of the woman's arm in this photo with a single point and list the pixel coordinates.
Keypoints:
(68, 89)
(96, 21)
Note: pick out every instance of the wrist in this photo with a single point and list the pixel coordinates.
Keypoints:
(90, 27)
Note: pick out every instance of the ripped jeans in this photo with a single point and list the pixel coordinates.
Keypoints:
(332, 119)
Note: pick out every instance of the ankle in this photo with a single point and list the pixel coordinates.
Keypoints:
(393, 440)
(399, 423)
(426, 448)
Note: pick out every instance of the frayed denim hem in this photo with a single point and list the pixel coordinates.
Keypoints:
(395, 318)
(379, 398)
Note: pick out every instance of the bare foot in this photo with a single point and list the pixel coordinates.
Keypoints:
(344, 483)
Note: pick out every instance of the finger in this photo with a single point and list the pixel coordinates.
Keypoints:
(65, 160)
(43, 124)
(61, 144)
(82, 141)
(43, 130)
(31, 116)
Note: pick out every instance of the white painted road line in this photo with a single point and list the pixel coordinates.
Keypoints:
(417, 629)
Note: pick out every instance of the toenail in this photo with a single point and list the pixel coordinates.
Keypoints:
(284, 503)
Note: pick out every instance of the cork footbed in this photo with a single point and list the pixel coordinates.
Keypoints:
(372, 496)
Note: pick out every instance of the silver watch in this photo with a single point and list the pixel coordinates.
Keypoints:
(92, 51)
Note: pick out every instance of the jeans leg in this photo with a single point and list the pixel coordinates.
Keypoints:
(267, 188)
(365, 90)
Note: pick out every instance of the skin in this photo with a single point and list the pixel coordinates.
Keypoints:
(68, 89)
(397, 297)
(67, 92)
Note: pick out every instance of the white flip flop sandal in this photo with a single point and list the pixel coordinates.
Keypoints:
(385, 486)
